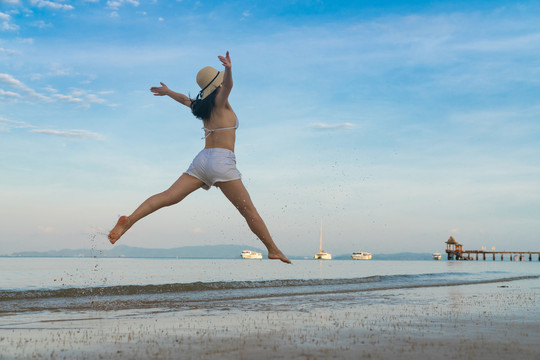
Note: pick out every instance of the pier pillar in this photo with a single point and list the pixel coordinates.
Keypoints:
(476, 256)
(530, 256)
(511, 257)
(484, 255)
(493, 256)
(502, 258)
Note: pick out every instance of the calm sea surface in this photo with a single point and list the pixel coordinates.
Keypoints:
(82, 284)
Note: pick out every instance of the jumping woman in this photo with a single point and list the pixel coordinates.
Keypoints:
(215, 165)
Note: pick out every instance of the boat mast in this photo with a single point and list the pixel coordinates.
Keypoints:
(321, 239)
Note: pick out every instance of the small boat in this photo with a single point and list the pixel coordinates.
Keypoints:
(248, 254)
(436, 256)
(322, 255)
(361, 255)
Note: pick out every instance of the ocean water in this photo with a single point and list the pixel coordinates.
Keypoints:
(74, 285)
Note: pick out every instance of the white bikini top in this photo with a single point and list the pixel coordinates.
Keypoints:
(207, 132)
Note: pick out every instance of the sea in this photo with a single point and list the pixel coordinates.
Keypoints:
(67, 286)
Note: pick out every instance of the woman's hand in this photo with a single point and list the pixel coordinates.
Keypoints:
(226, 61)
(227, 84)
(160, 90)
(163, 90)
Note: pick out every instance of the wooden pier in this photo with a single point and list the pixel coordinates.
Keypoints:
(455, 252)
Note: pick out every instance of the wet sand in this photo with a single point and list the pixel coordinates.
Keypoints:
(488, 321)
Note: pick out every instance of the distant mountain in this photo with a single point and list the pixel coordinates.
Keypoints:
(404, 256)
(194, 252)
(396, 256)
(185, 252)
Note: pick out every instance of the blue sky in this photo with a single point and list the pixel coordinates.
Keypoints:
(398, 123)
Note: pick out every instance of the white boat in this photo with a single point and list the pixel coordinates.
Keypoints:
(361, 255)
(436, 256)
(322, 255)
(248, 254)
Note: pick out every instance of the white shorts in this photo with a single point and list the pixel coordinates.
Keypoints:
(214, 165)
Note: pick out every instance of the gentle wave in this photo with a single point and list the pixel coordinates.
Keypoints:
(123, 290)
(286, 287)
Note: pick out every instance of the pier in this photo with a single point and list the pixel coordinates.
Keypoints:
(455, 251)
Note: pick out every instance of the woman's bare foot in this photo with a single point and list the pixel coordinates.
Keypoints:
(121, 227)
(278, 255)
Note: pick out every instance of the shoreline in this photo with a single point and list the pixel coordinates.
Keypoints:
(480, 321)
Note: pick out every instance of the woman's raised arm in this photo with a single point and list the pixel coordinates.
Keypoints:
(227, 84)
(163, 90)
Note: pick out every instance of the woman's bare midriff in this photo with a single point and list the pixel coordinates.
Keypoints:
(224, 139)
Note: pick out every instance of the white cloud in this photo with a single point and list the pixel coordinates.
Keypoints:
(18, 85)
(76, 96)
(94, 99)
(6, 125)
(10, 2)
(10, 80)
(80, 96)
(114, 4)
(51, 89)
(14, 122)
(9, 94)
(6, 26)
(5, 23)
(323, 126)
(51, 5)
(117, 4)
(78, 92)
(41, 24)
(58, 70)
(68, 98)
(72, 134)
(9, 51)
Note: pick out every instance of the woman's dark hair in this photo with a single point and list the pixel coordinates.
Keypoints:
(203, 108)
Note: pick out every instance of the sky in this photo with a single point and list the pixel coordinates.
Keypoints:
(396, 123)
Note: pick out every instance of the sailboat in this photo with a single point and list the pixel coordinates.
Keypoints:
(322, 255)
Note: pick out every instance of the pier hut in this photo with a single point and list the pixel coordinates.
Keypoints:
(455, 251)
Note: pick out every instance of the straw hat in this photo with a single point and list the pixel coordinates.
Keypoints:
(209, 79)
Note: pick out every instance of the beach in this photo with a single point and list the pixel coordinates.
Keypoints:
(496, 320)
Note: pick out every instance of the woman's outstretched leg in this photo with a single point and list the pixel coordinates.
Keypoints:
(236, 192)
(182, 187)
